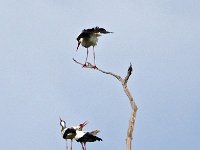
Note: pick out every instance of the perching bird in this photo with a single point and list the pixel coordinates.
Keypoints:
(89, 37)
(70, 133)
(84, 137)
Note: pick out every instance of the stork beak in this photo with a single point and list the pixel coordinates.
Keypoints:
(84, 124)
(60, 119)
(78, 45)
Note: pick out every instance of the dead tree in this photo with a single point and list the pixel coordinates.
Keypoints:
(134, 108)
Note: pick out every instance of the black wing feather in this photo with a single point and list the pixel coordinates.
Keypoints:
(88, 137)
(68, 131)
(84, 34)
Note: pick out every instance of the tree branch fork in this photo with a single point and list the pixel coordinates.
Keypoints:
(123, 82)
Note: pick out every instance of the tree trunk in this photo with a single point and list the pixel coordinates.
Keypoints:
(129, 95)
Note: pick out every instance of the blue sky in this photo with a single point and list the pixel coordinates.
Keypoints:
(39, 81)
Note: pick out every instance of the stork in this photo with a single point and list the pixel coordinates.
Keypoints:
(83, 137)
(70, 133)
(89, 37)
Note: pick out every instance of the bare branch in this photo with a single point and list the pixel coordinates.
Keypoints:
(128, 93)
(131, 128)
(134, 109)
(129, 72)
(112, 74)
(125, 86)
(89, 65)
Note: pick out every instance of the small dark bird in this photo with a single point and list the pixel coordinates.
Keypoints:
(130, 69)
(89, 37)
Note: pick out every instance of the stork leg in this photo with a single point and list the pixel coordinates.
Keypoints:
(94, 58)
(86, 58)
(82, 146)
(85, 145)
(71, 144)
(66, 145)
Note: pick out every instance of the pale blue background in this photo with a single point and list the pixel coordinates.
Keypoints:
(39, 81)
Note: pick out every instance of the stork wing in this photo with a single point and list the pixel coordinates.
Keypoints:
(95, 132)
(88, 137)
(97, 30)
(69, 131)
(84, 34)
(102, 30)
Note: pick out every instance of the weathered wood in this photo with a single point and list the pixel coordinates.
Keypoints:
(134, 108)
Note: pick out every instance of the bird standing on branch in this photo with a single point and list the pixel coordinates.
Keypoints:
(70, 133)
(89, 37)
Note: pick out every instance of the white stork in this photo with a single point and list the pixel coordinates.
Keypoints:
(70, 133)
(89, 37)
(83, 137)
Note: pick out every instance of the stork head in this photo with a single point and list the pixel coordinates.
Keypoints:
(83, 124)
(79, 38)
(84, 35)
(78, 45)
(62, 123)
